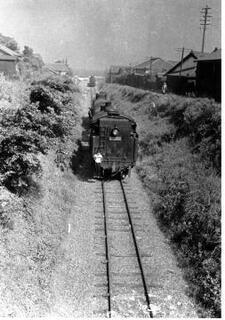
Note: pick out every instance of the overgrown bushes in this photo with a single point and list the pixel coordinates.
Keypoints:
(179, 163)
(160, 132)
(200, 120)
(188, 206)
(25, 131)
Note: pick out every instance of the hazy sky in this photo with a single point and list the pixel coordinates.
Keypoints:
(97, 33)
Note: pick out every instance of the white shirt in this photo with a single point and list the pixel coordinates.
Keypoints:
(98, 157)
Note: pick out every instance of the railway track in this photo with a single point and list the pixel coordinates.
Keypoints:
(121, 286)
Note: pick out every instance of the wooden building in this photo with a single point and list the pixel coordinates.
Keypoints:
(57, 68)
(208, 75)
(181, 78)
(9, 61)
(153, 68)
(115, 72)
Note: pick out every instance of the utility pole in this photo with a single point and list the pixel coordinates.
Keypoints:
(182, 57)
(205, 19)
(150, 69)
(150, 65)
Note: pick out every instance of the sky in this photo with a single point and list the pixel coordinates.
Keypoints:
(94, 34)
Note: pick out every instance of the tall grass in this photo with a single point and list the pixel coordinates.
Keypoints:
(13, 94)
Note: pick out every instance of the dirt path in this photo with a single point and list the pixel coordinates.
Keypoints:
(72, 282)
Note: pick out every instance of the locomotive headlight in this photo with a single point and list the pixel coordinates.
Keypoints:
(115, 132)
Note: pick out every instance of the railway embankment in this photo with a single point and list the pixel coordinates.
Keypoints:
(179, 165)
(39, 124)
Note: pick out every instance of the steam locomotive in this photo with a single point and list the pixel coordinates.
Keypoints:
(113, 136)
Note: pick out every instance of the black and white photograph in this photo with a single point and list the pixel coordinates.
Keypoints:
(110, 159)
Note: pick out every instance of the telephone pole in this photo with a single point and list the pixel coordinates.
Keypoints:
(182, 50)
(150, 65)
(205, 21)
(181, 65)
(150, 69)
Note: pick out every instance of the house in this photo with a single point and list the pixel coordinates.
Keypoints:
(208, 75)
(153, 67)
(116, 72)
(149, 74)
(57, 68)
(182, 76)
(8, 61)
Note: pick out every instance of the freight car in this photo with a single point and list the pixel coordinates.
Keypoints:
(114, 141)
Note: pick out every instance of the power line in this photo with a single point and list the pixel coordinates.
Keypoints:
(204, 21)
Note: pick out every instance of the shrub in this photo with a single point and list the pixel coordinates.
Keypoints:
(204, 123)
(29, 130)
(45, 99)
(57, 83)
(160, 131)
(189, 208)
(200, 120)
(45, 124)
(17, 160)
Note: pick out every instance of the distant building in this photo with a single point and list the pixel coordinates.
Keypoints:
(8, 61)
(153, 67)
(182, 76)
(57, 68)
(208, 75)
(117, 71)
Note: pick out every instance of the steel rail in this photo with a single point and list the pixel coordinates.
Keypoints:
(106, 249)
(137, 252)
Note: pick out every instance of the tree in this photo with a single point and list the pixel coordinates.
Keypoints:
(31, 62)
(27, 51)
(9, 43)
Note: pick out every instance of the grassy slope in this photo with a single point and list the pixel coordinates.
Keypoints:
(33, 225)
(184, 186)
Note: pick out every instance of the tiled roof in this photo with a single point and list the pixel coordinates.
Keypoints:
(157, 65)
(199, 54)
(57, 67)
(8, 51)
(196, 54)
(215, 55)
(146, 63)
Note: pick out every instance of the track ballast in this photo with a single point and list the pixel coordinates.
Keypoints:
(121, 285)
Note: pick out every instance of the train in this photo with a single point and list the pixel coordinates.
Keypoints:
(113, 139)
